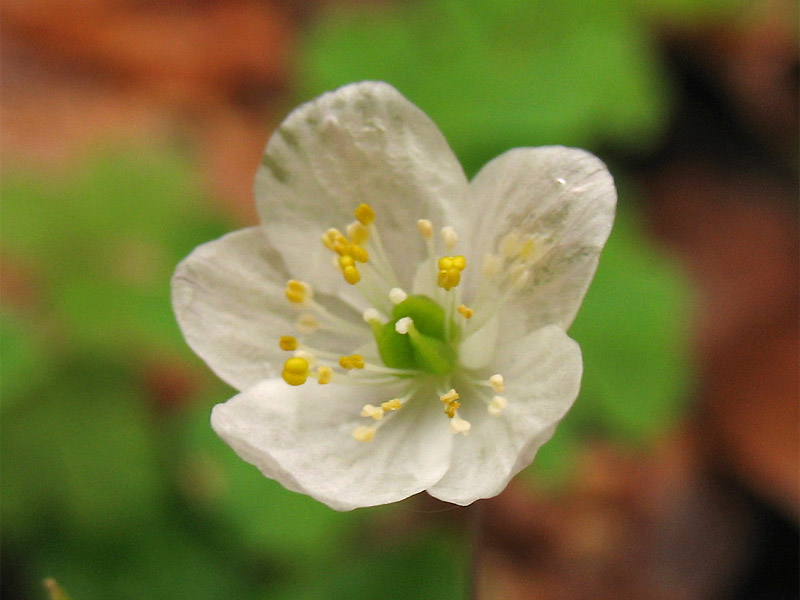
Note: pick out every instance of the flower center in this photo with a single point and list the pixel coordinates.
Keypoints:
(418, 337)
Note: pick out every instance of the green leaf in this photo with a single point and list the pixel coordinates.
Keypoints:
(78, 453)
(634, 333)
(501, 74)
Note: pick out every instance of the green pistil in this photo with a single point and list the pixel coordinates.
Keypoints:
(425, 347)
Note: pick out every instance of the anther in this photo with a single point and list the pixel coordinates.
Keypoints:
(364, 434)
(496, 405)
(324, 375)
(287, 342)
(391, 405)
(451, 403)
(459, 425)
(396, 295)
(358, 253)
(364, 214)
(351, 275)
(425, 228)
(498, 383)
(374, 412)
(464, 311)
(357, 233)
(353, 361)
(403, 325)
(449, 236)
(297, 292)
(450, 268)
(295, 371)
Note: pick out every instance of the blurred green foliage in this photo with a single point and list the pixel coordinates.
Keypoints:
(508, 73)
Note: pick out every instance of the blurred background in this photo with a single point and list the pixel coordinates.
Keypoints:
(130, 133)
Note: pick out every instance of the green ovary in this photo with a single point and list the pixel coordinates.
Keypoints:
(425, 347)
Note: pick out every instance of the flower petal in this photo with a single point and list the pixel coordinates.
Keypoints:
(228, 297)
(361, 143)
(565, 198)
(302, 437)
(542, 376)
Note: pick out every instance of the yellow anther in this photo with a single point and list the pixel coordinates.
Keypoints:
(297, 291)
(374, 412)
(353, 361)
(449, 236)
(357, 233)
(287, 342)
(448, 279)
(450, 268)
(295, 371)
(451, 403)
(324, 375)
(498, 383)
(391, 405)
(340, 244)
(364, 214)
(346, 261)
(364, 434)
(351, 275)
(451, 407)
(449, 396)
(464, 311)
(425, 228)
(328, 238)
(459, 425)
(358, 253)
(496, 405)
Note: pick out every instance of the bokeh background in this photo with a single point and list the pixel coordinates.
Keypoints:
(130, 133)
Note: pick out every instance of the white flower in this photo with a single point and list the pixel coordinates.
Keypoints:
(392, 327)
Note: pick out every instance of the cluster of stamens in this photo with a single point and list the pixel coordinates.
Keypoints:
(417, 337)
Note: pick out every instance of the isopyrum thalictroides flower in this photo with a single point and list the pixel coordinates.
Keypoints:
(393, 327)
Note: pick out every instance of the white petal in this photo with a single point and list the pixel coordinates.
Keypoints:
(302, 437)
(228, 297)
(566, 196)
(361, 143)
(542, 373)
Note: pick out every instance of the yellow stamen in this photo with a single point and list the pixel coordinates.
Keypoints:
(498, 383)
(372, 411)
(351, 275)
(450, 267)
(459, 425)
(496, 405)
(346, 261)
(324, 375)
(425, 228)
(464, 311)
(450, 400)
(307, 323)
(449, 237)
(295, 370)
(287, 342)
(391, 405)
(358, 253)
(297, 291)
(364, 434)
(364, 214)
(357, 233)
(353, 361)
